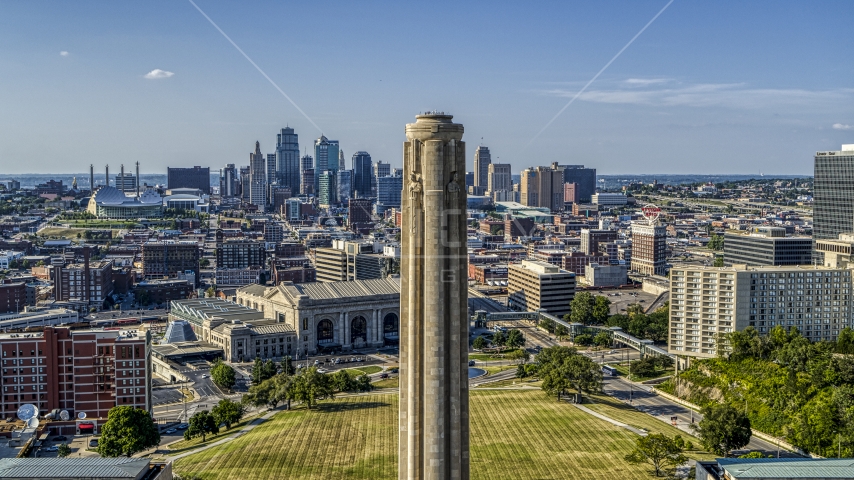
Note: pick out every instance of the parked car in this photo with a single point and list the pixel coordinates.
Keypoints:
(471, 363)
(59, 438)
(394, 370)
(93, 443)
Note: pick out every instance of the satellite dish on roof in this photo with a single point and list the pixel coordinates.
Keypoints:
(81, 415)
(63, 415)
(27, 411)
(33, 422)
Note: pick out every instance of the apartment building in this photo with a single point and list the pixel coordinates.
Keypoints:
(81, 371)
(538, 285)
(707, 301)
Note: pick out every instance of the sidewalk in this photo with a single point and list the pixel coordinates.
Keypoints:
(237, 434)
(638, 431)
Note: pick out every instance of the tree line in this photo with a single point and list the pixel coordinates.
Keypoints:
(785, 384)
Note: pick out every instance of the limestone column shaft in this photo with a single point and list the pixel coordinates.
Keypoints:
(434, 427)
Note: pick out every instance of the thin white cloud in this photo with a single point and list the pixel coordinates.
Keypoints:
(157, 73)
(644, 82)
(63, 53)
(842, 126)
(731, 95)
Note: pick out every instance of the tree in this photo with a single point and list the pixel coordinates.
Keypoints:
(342, 381)
(520, 354)
(227, 412)
(719, 261)
(223, 375)
(363, 383)
(499, 339)
(201, 424)
(561, 331)
(602, 339)
(581, 308)
(583, 340)
(659, 451)
(723, 429)
(128, 430)
(309, 386)
(288, 366)
(562, 368)
(548, 324)
(515, 339)
(204, 263)
(269, 392)
(63, 450)
(644, 367)
(601, 310)
(269, 370)
(479, 343)
(845, 341)
(210, 292)
(716, 242)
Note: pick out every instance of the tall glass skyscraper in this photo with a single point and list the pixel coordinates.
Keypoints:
(833, 194)
(325, 157)
(288, 159)
(482, 160)
(362, 173)
(327, 192)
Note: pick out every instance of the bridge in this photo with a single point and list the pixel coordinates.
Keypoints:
(482, 318)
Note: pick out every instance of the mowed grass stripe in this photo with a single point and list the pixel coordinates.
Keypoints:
(514, 434)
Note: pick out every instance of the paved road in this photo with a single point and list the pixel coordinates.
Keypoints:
(662, 408)
(487, 304)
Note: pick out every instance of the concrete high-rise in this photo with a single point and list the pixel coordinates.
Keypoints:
(306, 169)
(362, 173)
(482, 160)
(381, 169)
(325, 157)
(271, 168)
(228, 181)
(434, 413)
(257, 178)
(542, 187)
(389, 189)
(833, 194)
(498, 178)
(288, 159)
(344, 185)
(584, 177)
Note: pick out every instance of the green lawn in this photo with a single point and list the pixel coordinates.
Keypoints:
(367, 370)
(627, 414)
(515, 434)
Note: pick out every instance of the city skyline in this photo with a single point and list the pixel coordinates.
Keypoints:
(704, 89)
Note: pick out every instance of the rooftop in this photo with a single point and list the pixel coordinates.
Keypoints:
(786, 468)
(89, 467)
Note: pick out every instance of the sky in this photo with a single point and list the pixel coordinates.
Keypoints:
(707, 88)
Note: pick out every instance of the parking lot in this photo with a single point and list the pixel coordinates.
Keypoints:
(621, 299)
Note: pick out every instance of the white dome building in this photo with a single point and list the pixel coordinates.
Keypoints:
(110, 202)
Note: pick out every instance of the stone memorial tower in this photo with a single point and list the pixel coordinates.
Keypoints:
(434, 410)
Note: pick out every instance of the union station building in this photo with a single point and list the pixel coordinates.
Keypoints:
(332, 316)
